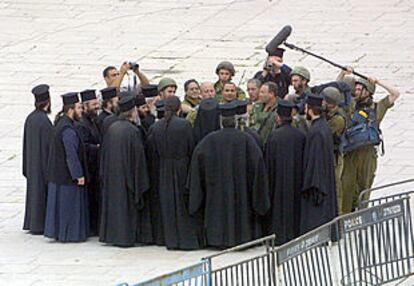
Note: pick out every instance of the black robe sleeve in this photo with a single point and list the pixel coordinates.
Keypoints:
(257, 178)
(313, 176)
(196, 182)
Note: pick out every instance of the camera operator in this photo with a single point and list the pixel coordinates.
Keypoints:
(114, 78)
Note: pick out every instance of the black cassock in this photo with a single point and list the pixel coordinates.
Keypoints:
(89, 134)
(255, 136)
(284, 161)
(318, 196)
(100, 120)
(228, 185)
(173, 146)
(36, 142)
(125, 217)
(207, 119)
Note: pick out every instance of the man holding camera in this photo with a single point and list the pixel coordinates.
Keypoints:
(276, 71)
(114, 78)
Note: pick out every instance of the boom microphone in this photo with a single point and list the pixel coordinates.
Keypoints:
(278, 39)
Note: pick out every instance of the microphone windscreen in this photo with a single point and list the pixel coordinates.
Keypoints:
(278, 39)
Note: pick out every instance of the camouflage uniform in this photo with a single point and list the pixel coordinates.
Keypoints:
(263, 122)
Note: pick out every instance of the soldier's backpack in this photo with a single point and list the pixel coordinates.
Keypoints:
(342, 86)
(362, 130)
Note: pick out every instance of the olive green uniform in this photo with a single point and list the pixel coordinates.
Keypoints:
(360, 166)
(218, 86)
(337, 121)
(191, 116)
(191, 101)
(263, 121)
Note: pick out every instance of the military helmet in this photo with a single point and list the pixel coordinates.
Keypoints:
(332, 95)
(367, 84)
(301, 71)
(227, 66)
(350, 81)
(165, 82)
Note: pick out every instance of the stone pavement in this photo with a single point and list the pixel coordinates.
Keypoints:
(68, 43)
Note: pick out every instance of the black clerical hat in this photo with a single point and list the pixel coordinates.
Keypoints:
(88, 94)
(109, 92)
(278, 52)
(228, 109)
(284, 108)
(160, 108)
(208, 104)
(70, 98)
(126, 103)
(41, 93)
(150, 90)
(140, 100)
(314, 99)
(241, 107)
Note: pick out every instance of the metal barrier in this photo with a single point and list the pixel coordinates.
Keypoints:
(194, 275)
(363, 201)
(306, 260)
(376, 244)
(257, 270)
(371, 246)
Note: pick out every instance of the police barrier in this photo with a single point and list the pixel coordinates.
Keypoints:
(376, 245)
(306, 260)
(257, 270)
(372, 246)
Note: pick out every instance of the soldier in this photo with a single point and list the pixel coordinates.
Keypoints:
(207, 91)
(225, 71)
(276, 71)
(167, 87)
(264, 112)
(300, 78)
(253, 88)
(192, 97)
(360, 165)
(336, 118)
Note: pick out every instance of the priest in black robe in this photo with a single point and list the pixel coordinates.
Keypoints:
(109, 106)
(228, 184)
(318, 196)
(242, 122)
(284, 162)
(67, 214)
(207, 119)
(125, 218)
(89, 133)
(172, 139)
(36, 142)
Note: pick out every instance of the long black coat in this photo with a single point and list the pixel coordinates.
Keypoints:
(89, 134)
(125, 215)
(228, 185)
(173, 145)
(318, 196)
(284, 161)
(36, 142)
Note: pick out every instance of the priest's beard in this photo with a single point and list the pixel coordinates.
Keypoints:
(49, 109)
(76, 116)
(115, 109)
(91, 114)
